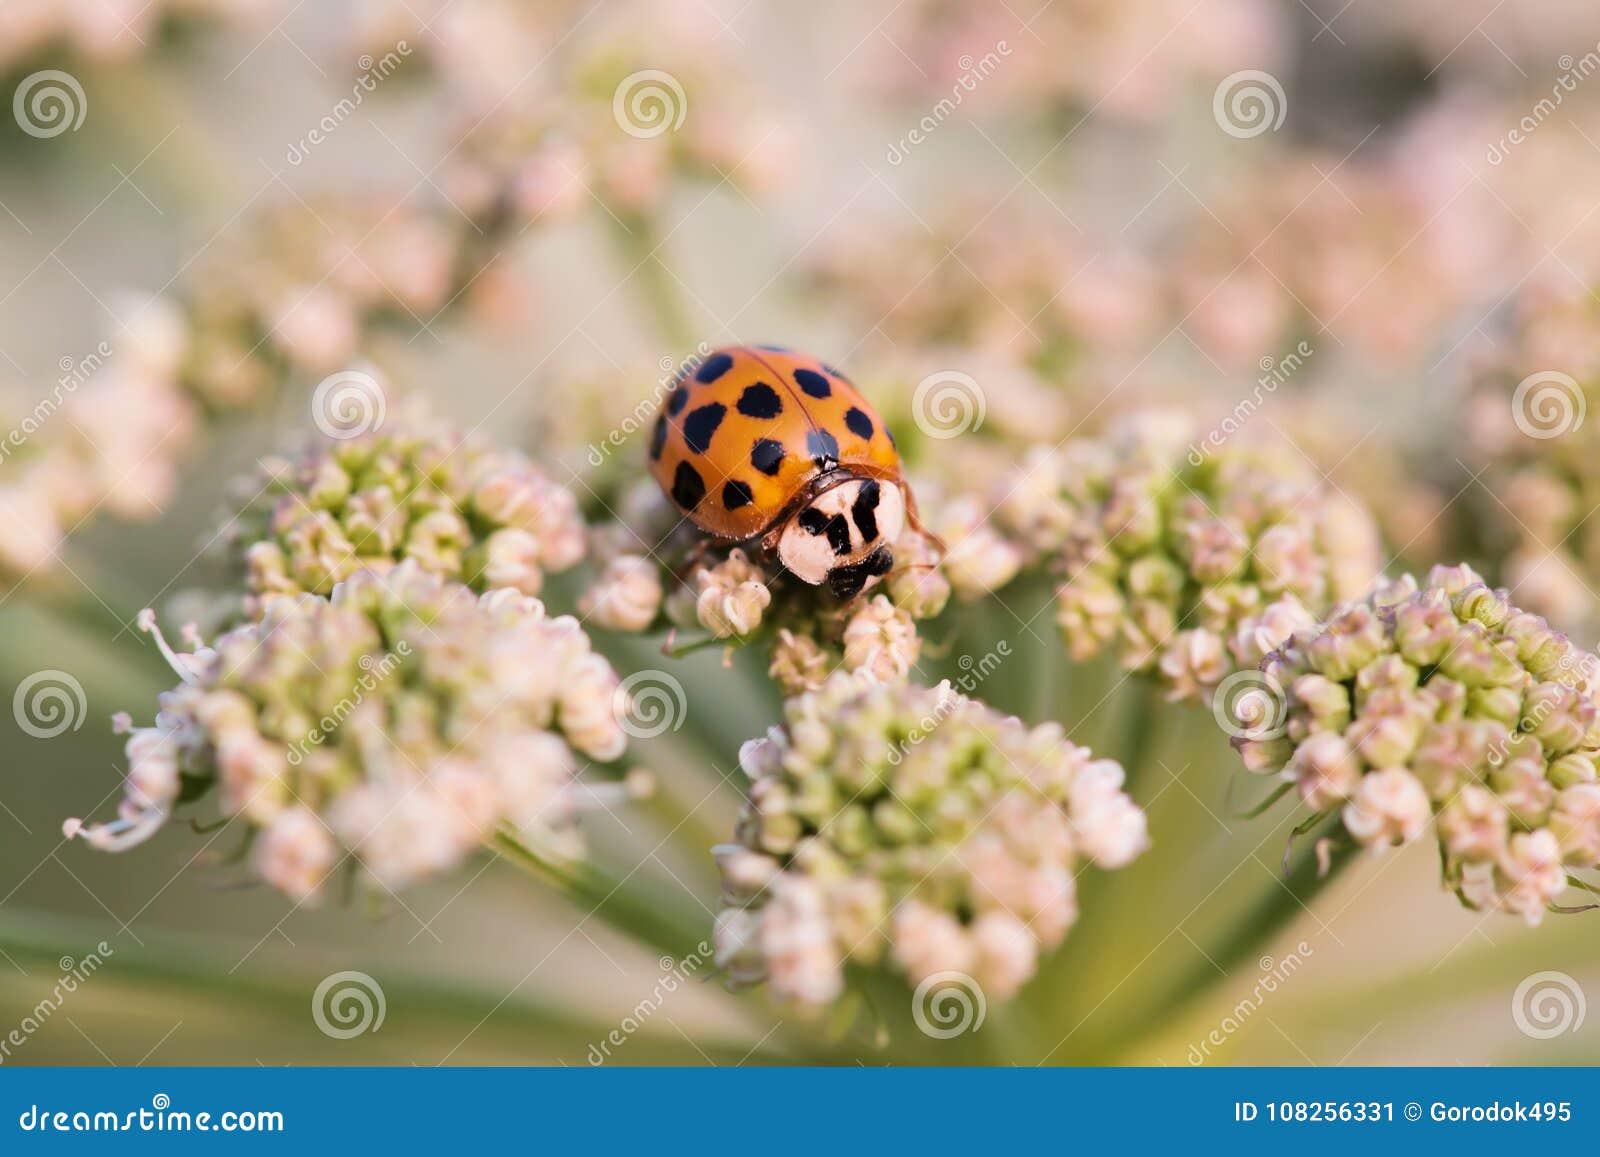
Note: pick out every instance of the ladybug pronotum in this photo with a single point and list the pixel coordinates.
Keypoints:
(760, 444)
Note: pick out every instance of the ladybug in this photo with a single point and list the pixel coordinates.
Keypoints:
(761, 444)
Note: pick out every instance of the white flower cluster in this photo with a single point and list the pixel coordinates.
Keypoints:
(402, 722)
(892, 823)
(1447, 702)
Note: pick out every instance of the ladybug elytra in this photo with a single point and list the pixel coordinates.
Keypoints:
(761, 444)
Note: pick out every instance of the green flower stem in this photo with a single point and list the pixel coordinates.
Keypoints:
(696, 811)
(1046, 677)
(262, 1013)
(638, 240)
(624, 906)
(893, 1027)
(1140, 731)
(1251, 934)
(1254, 931)
(620, 903)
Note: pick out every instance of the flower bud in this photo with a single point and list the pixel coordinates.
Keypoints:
(626, 597)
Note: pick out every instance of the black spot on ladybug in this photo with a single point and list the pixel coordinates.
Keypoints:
(813, 383)
(767, 456)
(813, 521)
(713, 368)
(863, 507)
(658, 438)
(860, 425)
(688, 488)
(735, 495)
(677, 401)
(701, 424)
(760, 401)
(823, 448)
(892, 443)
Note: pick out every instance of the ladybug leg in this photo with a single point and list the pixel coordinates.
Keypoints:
(693, 559)
(914, 521)
(767, 545)
(704, 546)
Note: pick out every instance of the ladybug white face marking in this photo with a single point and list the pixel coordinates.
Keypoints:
(844, 536)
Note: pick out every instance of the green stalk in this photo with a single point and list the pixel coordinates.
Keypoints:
(617, 902)
(638, 240)
(1251, 934)
(1266, 918)
(1136, 744)
(190, 975)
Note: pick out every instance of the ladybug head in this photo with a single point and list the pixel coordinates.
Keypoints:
(843, 536)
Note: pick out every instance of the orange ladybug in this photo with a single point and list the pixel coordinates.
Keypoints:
(760, 443)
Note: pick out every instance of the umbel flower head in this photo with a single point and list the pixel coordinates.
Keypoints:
(1190, 561)
(912, 827)
(411, 489)
(1444, 701)
(396, 726)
